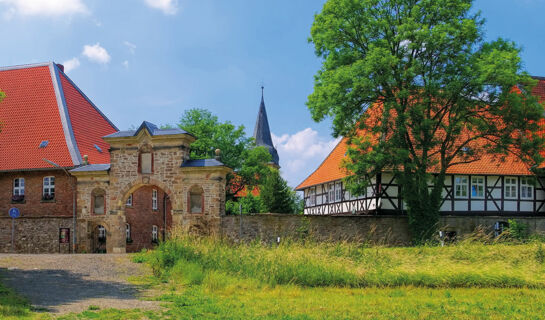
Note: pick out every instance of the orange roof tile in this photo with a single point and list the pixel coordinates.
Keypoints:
(43, 104)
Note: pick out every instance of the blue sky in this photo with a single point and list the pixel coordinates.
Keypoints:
(152, 59)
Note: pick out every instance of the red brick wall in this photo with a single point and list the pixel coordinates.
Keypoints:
(142, 217)
(33, 206)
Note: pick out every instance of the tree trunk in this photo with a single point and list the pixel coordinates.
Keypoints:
(423, 203)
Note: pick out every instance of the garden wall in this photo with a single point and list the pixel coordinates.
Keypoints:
(391, 230)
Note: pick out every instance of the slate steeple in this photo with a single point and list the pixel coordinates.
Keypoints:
(262, 133)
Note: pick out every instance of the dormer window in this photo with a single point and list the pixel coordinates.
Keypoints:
(43, 144)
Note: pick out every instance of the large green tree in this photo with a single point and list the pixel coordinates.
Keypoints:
(418, 76)
(237, 151)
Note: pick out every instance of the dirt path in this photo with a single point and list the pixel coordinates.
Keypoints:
(71, 283)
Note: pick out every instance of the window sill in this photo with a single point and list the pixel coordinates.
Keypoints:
(18, 202)
(48, 201)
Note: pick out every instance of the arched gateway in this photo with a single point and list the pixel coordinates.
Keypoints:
(149, 187)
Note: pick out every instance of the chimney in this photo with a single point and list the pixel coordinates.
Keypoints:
(60, 67)
(85, 160)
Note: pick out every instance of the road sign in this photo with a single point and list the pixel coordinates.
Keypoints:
(14, 213)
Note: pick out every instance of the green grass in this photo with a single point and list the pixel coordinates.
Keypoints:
(465, 265)
(13, 306)
(211, 279)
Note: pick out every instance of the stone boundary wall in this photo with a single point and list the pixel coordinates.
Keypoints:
(391, 230)
(35, 235)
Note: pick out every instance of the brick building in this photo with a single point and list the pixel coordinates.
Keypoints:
(69, 170)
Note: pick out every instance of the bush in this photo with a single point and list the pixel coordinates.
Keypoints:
(517, 230)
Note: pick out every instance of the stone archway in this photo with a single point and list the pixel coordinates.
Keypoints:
(148, 217)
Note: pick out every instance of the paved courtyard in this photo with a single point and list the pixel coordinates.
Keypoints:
(71, 283)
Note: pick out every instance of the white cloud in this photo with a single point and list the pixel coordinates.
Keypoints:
(96, 53)
(45, 7)
(301, 153)
(71, 64)
(167, 6)
(126, 64)
(130, 46)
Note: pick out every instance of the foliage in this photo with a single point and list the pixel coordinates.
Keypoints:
(248, 203)
(466, 264)
(237, 151)
(277, 196)
(517, 230)
(416, 89)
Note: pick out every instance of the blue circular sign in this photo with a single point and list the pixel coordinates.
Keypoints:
(14, 213)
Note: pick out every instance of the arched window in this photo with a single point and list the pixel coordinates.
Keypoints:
(98, 199)
(196, 200)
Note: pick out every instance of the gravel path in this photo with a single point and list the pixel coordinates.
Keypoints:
(71, 283)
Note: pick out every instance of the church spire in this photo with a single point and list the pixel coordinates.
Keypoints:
(262, 133)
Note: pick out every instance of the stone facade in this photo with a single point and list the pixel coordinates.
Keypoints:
(126, 176)
(391, 230)
(34, 235)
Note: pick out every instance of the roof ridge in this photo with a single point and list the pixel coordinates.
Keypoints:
(27, 65)
(64, 115)
(85, 97)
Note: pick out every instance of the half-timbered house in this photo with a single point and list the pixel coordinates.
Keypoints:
(492, 185)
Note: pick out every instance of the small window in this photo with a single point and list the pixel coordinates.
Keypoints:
(154, 199)
(154, 234)
(19, 186)
(49, 188)
(99, 149)
(477, 187)
(128, 232)
(196, 200)
(129, 201)
(510, 187)
(312, 197)
(331, 192)
(526, 188)
(101, 233)
(338, 192)
(145, 163)
(43, 144)
(99, 204)
(460, 186)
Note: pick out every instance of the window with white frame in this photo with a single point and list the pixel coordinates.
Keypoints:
(129, 201)
(128, 231)
(526, 188)
(331, 192)
(460, 186)
(312, 196)
(154, 234)
(154, 199)
(338, 192)
(49, 188)
(19, 186)
(510, 187)
(477, 187)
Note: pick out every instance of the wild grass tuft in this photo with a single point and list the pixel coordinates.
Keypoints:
(467, 264)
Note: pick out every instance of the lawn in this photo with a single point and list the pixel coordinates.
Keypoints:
(211, 279)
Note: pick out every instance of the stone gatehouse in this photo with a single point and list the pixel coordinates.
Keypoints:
(149, 187)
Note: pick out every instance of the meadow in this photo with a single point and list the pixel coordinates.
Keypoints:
(204, 278)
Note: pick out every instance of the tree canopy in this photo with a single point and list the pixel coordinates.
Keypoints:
(416, 89)
(237, 151)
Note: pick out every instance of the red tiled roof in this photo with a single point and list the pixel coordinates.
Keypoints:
(330, 169)
(42, 104)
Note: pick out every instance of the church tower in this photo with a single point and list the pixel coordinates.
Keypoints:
(262, 133)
